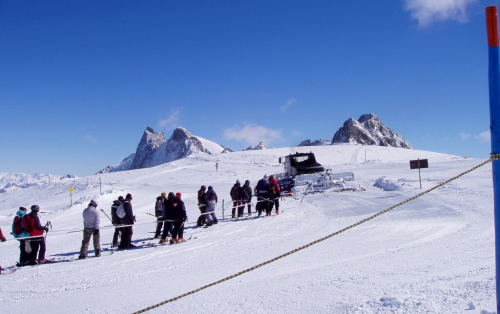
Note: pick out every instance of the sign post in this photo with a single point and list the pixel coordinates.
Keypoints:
(71, 194)
(417, 164)
(494, 89)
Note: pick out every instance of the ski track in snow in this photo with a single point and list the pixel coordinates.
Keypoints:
(432, 255)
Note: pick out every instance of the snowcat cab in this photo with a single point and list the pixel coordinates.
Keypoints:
(303, 174)
(301, 163)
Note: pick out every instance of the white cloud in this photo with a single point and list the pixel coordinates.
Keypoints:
(253, 134)
(289, 102)
(430, 11)
(89, 138)
(464, 136)
(484, 137)
(170, 121)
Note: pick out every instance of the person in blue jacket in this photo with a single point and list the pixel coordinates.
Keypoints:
(19, 233)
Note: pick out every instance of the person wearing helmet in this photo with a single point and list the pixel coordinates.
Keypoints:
(211, 201)
(31, 222)
(91, 223)
(202, 206)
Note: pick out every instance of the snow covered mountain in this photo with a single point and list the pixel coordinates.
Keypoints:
(14, 181)
(319, 142)
(368, 130)
(261, 145)
(154, 150)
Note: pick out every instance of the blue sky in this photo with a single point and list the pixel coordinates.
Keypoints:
(81, 80)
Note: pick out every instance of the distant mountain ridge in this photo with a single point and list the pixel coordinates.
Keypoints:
(259, 146)
(319, 142)
(14, 181)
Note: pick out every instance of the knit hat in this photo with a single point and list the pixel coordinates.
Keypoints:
(35, 208)
(120, 198)
(238, 182)
(129, 196)
(23, 208)
(163, 193)
(210, 188)
(93, 203)
(203, 187)
(178, 194)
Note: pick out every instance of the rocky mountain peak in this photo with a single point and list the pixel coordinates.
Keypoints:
(368, 130)
(261, 145)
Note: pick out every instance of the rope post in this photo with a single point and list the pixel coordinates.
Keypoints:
(494, 91)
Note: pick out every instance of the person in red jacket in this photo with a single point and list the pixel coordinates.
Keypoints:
(31, 222)
(274, 196)
(2, 238)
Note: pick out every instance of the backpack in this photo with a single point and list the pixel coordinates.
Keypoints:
(235, 192)
(28, 223)
(120, 211)
(273, 192)
(18, 225)
(159, 207)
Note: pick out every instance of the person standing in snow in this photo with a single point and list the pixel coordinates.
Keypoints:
(158, 213)
(202, 206)
(179, 217)
(128, 220)
(2, 238)
(262, 192)
(19, 233)
(91, 223)
(31, 222)
(246, 196)
(216, 166)
(211, 201)
(115, 220)
(274, 196)
(236, 198)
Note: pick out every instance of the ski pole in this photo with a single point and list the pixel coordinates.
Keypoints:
(106, 215)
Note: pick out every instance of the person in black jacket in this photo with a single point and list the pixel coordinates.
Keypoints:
(174, 212)
(128, 220)
(158, 213)
(115, 220)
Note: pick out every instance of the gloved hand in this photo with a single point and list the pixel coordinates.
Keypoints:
(46, 229)
(135, 219)
(96, 232)
(3, 239)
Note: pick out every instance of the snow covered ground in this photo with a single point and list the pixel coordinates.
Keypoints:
(432, 255)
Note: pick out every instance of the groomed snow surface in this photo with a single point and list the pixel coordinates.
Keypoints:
(432, 255)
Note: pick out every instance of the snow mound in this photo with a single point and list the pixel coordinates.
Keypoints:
(387, 185)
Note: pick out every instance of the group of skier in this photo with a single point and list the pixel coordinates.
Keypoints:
(206, 203)
(30, 233)
(169, 210)
(267, 191)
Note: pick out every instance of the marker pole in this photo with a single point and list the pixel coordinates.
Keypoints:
(494, 88)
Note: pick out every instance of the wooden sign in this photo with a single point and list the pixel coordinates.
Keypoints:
(419, 163)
